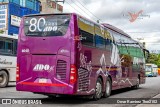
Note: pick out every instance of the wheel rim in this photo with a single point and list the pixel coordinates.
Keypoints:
(108, 87)
(98, 90)
(2, 79)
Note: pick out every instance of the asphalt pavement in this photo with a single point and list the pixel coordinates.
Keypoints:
(149, 90)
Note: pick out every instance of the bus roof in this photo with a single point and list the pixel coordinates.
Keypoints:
(121, 32)
(64, 14)
(48, 14)
(115, 29)
(154, 65)
(8, 36)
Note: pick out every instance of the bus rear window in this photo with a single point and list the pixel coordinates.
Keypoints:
(49, 25)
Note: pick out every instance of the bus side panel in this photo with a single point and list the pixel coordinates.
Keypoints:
(12, 74)
(8, 63)
(89, 68)
(94, 62)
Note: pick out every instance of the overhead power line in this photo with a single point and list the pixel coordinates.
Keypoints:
(75, 8)
(72, 7)
(152, 42)
(80, 8)
(147, 37)
(145, 32)
(88, 10)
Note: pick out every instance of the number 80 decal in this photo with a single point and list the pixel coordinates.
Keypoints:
(34, 24)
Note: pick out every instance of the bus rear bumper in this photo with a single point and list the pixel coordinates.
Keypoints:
(45, 88)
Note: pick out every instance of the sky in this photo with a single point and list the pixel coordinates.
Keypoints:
(145, 27)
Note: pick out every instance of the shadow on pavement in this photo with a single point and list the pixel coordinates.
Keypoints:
(123, 90)
(81, 100)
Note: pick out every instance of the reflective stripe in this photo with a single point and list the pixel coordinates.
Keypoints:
(42, 84)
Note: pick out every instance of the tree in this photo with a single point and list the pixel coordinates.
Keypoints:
(1, 31)
(158, 62)
(154, 59)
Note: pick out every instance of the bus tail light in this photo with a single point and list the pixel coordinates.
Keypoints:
(17, 73)
(73, 74)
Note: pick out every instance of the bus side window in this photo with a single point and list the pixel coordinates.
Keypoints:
(2, 46)
(6, 46)
(9, 47)
(100, 41)
(108, 44)
(15, 47)
(87, 38)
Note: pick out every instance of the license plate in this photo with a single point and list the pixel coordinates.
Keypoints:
(42, 80)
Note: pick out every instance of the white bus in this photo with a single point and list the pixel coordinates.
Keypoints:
(151, 70)
(8, 51)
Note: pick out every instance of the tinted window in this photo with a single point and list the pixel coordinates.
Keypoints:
(2, 46)
(88, 38)
(50, 25)
(9, 47)
(100, 41)
(15, 47)
(117, 37)
(108, 44)
(6, 46)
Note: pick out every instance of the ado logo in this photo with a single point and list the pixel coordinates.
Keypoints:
(25, 50)
(42, 67)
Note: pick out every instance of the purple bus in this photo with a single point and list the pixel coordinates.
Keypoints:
(67, 54)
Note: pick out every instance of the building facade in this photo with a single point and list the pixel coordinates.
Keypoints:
(11, 12)
(51, 6)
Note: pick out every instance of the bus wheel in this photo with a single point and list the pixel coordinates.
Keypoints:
(3, 79)
(98, 90)
(108, 89)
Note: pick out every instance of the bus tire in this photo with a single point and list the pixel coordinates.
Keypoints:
(4, 79)
(98, 90)
(108, 88)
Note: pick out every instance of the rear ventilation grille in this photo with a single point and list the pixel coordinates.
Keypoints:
(61, 70)
(83, 79)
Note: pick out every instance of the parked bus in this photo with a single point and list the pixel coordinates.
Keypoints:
(8, 49)
(151, 70)
(69, 54)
